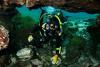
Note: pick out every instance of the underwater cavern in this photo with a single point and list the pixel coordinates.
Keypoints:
(49, 33)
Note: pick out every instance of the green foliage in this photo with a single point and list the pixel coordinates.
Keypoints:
(76, 40)
(23, 22)
(22, 26)
(74, 49)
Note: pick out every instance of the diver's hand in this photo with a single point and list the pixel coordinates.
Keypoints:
(60, 34)
(30, 38)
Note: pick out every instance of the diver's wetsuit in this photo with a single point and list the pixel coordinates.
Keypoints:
(52, 33)
(47, 35)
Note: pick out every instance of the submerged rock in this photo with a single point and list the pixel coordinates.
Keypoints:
(37, 62)
(25, 53)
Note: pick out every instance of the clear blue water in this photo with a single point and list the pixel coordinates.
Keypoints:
(35, 13)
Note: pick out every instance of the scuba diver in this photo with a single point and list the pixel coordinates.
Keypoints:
(50, 31)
